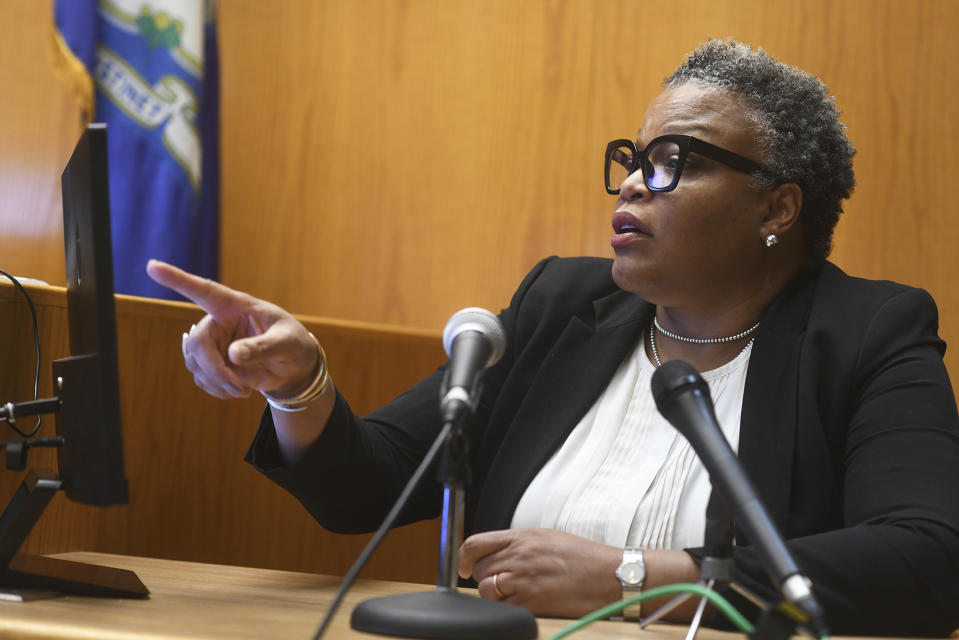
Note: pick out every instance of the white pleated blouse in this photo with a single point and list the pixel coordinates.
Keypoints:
(625, 476)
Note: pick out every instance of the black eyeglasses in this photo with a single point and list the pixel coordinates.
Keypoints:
(662, 161)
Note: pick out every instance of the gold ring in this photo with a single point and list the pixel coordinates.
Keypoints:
(502, 596)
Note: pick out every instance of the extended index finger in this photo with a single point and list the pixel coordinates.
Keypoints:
(212, 297)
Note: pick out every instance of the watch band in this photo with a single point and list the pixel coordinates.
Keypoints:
(632, 577)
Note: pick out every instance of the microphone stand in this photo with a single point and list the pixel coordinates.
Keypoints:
(716, 569)
(445, 613)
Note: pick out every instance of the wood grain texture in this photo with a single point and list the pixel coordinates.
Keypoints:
(422, 155)
(193, 600)
(39, 125)
(392, 161)
(191, 495)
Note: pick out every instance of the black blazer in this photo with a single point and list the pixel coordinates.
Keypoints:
(849, 432)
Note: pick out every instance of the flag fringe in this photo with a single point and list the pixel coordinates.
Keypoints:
(75, 74)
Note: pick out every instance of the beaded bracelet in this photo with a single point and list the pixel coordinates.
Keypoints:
(299, 402)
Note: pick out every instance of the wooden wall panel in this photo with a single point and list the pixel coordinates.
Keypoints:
(191, 495)
(410, 158)
(392, 161)
(38, 127)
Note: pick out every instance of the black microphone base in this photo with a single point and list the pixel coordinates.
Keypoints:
(443, 614)
(773, 624)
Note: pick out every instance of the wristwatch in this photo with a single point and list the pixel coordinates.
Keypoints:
(632, 576)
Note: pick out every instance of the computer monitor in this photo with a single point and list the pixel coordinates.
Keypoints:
(90, 446)
(87, 382)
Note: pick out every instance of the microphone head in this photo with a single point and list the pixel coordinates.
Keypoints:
(479, 320)
(673, 377)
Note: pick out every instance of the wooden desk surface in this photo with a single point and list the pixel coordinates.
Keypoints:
(194, 600)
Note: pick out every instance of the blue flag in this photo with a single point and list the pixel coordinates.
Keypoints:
(148, 69)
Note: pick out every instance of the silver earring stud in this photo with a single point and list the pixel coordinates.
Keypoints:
(772, 240)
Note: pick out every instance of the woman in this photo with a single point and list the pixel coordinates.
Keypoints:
(832, 388)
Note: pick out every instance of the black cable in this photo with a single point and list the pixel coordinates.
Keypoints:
(36, 344)
(374, 542)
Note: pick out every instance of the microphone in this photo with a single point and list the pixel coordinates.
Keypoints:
(474, 339)
(682, 396)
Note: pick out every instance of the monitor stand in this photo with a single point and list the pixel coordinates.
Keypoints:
(26, 577)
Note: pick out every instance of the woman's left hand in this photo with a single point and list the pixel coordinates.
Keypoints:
(549, 572)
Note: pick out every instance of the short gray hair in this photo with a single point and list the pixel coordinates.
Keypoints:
(797, 127)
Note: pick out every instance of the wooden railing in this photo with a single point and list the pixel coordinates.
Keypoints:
(191, 495)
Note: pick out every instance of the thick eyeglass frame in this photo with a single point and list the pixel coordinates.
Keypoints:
(686, 144)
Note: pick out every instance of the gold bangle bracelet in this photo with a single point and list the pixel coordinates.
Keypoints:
(320, 382)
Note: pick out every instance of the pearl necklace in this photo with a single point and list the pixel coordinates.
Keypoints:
(659, 363)
(676, 336)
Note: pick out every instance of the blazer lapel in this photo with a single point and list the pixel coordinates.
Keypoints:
(579, 367)
(768, 423)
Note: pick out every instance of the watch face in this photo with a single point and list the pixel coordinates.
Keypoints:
(631, 573)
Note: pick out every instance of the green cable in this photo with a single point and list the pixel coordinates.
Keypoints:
(681, 587)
